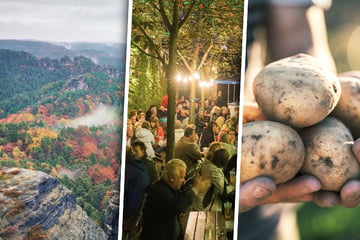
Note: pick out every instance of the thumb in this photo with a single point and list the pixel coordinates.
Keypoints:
(253, 192)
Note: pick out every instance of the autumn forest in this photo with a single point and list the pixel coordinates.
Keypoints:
(49, 121)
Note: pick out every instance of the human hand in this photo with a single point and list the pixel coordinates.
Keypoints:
(251, 112)
(263, 190)
(349, 195)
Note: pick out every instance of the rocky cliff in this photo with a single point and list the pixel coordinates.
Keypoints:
(111, 226)
(34, 205)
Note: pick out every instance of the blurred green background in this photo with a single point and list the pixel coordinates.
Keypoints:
(343, 24)
(315, 223)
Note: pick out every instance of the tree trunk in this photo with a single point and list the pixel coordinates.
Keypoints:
(171, 89)
(194, 82)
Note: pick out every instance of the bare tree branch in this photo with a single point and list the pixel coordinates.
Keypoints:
(186, 63)
(204, 58)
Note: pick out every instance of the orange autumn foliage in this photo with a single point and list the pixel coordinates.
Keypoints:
(99, 173)
(37, 134)
(88, 148)
(18, 117)
(8, 147)
(42, 110)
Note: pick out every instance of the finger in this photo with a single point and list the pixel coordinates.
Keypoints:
(253, 192)
(350, 194)
(356, 149)
(326, 199)
(251, 112)
(296, 190)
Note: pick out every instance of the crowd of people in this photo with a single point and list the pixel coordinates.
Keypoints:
(158, 191)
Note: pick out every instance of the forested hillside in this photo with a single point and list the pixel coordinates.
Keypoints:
(63, 85)
(62, 116)
(104, 54)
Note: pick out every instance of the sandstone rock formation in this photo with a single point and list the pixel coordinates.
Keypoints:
(35, 205)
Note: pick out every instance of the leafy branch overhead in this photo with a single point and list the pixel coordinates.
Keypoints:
(209, 33)
(175, 36)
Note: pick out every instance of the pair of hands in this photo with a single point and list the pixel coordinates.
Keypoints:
(262, 190)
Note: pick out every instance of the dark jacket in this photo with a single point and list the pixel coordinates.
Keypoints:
(162, 209)
(136, 183)
(186, 150)
(151, 169)
(206, 138)
(199, 124)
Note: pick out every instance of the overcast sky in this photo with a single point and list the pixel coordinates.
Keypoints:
(64, 20)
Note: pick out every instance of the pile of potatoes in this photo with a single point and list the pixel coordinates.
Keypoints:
(307, 123)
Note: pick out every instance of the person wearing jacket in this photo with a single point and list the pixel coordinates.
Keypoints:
(139, 151)
(137, 181)
(208, 134)
(186, 149)
(145, 135)
(166, 201)
(213, 199)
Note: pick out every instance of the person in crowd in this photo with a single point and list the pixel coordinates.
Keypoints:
(200, 122)
(223, 117)
(140, 121)
(185, 104)
(158, 133)
(208, 134)
(139, 152)
(145, 135)
(164, 102)
(186, 148)
(182, 114)
(162, 116)
(166, 201)
(212, 148)
(213, 198)
(207, 107)
(152, 111)
(220, 99)
(196, 137)
(224, 138)
(231, 123)
(132, 116)
(130, 137)
(137, 182)
(181, 99)
(232, 137)
(161, 112)
(215, 113)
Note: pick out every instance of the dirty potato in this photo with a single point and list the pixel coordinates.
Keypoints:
(348, 108)
(296, 90)
(329, 156)
(270, 149)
